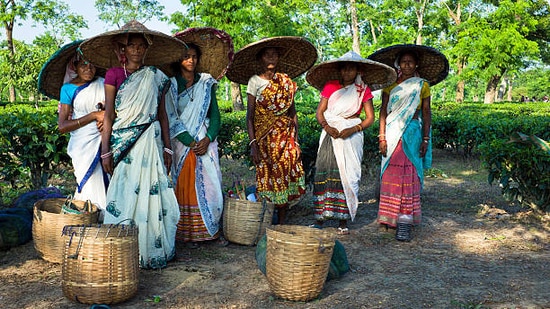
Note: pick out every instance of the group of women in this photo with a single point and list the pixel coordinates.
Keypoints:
(144, 132)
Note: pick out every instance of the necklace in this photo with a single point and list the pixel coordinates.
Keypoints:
(191, 94)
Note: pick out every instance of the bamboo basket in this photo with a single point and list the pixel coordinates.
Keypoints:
(297, 261)
(100, 263)
(244, 222)
(48, 223)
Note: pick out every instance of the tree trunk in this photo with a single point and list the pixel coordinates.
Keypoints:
(11, 50)
(374, 39)
(420, 20)
(459, 96)
(236, 97)
(491, 89)
(509, 93)
(354, 27)
(502, 90)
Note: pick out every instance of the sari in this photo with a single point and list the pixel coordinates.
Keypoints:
(198, 178)
(84, 143)
(402, 169)
(140, 189)
(338, 164)
(280, 174)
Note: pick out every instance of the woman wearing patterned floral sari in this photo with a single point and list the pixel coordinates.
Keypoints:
(136, 150)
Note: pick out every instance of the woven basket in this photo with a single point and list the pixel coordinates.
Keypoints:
(100, 263)
(297, 261)
(48, 223)
(244, 222)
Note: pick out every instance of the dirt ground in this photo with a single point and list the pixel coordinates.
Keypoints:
(473, 250)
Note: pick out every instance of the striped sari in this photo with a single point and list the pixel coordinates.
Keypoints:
(402, 169)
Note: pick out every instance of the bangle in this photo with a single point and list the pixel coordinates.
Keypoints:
(168, 151)
(106, 155)
(251, 142)
(359, 127)
(297, 143)
(426, 141)
(426, 138)
(193, 143)
(78, 120)
(384, 135)
(382, 140)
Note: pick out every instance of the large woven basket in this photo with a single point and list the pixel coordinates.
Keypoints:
(297, 261)
(244, 222)
(100, 263)
(48, 223)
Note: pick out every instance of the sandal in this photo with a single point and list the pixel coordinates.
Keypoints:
(222, 242)
(343, 231)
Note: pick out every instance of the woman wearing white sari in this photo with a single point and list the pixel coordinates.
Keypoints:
(338, 164)
(405, 131)
(194, 127)
(72, 80)
(136, 147)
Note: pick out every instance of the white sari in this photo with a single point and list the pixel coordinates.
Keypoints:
(140, 188)
(83, 147)
(191, 117)
(348, 152)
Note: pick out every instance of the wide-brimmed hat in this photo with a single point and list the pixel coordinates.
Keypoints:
(216, 48)
(101, 49)
(53, 72)
(375, 74)
(432, 64)
(296, 55)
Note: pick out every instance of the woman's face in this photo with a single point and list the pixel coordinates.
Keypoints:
(407, 63)
(135, 49)
(270, 58)
(85, 70)
(348, 72)
(190, 60)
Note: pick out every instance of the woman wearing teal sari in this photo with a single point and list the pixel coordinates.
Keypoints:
(136, 147)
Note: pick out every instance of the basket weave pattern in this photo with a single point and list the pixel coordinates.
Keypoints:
(100, 263)
(245, 222)
(297, 261)
(48, 223)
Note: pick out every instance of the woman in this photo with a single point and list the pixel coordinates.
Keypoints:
(136, 147)
(272, 122)
(405, 133)
(197, 169)
(79, 96)
(345, 94)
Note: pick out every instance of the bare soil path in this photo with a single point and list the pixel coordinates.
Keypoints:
(473, 250)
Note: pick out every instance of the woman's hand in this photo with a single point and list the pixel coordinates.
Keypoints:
(108, 164)
(254, 153)
(383, 147)
(167, 161)
(423, 148)
(347, 132)
(201, 147)
(333, 132)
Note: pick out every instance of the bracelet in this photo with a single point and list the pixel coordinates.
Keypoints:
(382, 140)
(426, 138)
(106, 155)
(359, 127)
(426, 141)
(78, 120)
(168, 151)
(381, 135)
(193, 143)
(251, 142)
(297, 143)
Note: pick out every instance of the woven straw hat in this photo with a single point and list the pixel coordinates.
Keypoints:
(216, 49)
(375, 74)
(53, 71)
(433, 65)
(163, 49)
(296, 56)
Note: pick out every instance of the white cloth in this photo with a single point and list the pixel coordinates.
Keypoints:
(343, 104)
(140, 189)
(84, 145)
(192, 118)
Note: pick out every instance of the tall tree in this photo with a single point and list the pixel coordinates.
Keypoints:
(119, 12)
(50, 13)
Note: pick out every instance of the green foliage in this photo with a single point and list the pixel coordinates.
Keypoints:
(120, 12)
(30, 145)
(521, 168)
